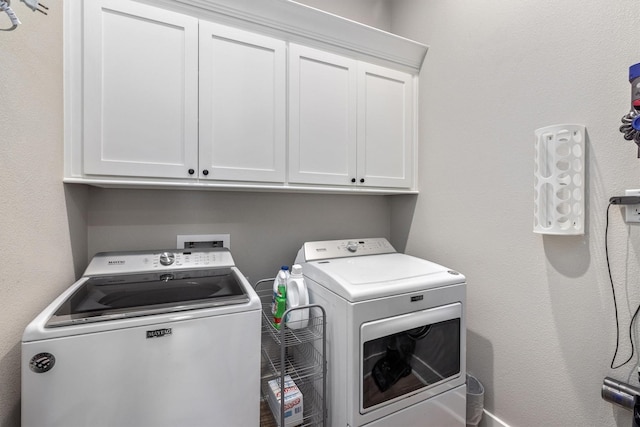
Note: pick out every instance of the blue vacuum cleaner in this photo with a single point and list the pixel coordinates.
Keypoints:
(631, 121)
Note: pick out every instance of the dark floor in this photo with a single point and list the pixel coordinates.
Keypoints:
(266, 417)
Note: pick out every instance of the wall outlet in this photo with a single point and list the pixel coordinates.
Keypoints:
(192, 241)
(632, 212)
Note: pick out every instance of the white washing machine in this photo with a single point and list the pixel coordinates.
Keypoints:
(396, 338)
(151, 338)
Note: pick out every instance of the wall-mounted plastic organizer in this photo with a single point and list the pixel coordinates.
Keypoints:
(559, 180)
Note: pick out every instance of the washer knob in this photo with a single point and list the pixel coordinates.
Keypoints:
(352, 246)
(167, 258)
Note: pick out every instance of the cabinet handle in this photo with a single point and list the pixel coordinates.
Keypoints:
(191, 171)
(205, 172)
(353, 180)
(361, 180)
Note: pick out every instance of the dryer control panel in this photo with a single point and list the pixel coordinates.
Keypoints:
(329, 249)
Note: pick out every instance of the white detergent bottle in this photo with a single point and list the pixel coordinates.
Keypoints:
(297, 296)
(285, 270)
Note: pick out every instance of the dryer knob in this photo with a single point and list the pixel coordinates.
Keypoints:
(167, 258)
(352, 246)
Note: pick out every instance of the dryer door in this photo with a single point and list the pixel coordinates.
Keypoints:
(408, 354)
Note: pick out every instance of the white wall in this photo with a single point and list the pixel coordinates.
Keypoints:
(375, 13)
(49, 230)
(266, 229)
(541, 328)
(43, 224)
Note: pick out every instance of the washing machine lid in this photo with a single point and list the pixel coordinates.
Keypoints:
(375, 276)
(104, 298)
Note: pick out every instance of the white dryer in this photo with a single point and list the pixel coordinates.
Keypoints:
(150, 338)
(396, 338)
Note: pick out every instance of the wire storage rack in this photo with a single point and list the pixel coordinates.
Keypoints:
(295, 351)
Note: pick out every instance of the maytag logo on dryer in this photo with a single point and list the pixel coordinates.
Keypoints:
(158, 333)
(116, 262)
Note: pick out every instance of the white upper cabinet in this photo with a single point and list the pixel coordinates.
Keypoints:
(140, 90)
(385, 127)
(350, 122)
(322, 117)
(258, 94)
(242, 105)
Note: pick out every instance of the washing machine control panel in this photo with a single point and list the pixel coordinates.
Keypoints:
(167, 258)
(328, 249)
(162, 260)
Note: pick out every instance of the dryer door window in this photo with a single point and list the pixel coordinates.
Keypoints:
(404, 355)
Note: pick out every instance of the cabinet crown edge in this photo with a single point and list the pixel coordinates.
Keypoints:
(299, 22)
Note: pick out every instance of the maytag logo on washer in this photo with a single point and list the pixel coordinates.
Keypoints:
(116, 262)
(159, 333)
(42, 362)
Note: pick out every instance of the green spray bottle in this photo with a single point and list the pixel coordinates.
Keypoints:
(279, 306)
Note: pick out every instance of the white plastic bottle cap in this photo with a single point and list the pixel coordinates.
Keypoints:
(296, 269)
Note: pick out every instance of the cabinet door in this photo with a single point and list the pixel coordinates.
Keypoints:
(242, 105)
(141, 88)
(322, 117)
(385, 127)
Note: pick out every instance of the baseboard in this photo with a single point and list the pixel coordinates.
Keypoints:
(490, 420)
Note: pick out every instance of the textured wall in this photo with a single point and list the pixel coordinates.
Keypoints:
(541, 327)
(266, 229)
(375, 13)
(47, 226)
(40, 219)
